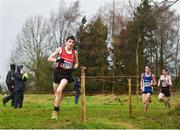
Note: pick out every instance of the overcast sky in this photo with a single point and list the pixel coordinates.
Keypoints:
(13, 13)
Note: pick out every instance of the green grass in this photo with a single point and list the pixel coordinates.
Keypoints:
(102, 112)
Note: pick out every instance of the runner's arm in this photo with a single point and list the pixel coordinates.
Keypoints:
(154, 80)
(169, 81)
(141, 83)
(159, 81)
(52, 57)
(76, 62)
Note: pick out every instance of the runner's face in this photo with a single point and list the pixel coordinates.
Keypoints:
(70, 43)
(164, 72)
(147, 69)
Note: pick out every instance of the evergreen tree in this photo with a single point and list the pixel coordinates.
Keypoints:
(93, 50)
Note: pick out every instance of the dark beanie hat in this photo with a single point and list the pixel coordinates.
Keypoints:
(12, 66)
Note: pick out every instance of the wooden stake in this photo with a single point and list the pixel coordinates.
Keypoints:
(83, 102)
(130, 101)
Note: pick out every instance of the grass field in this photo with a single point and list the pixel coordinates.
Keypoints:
(103, 111)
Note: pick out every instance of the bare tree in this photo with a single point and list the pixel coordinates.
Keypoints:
(113, 14)
(177, 55)
(32, 45)
(63, 23)
(166, 37)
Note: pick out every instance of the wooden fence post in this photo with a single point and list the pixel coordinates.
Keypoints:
(130, 101)
(83, 98)
(137, 89)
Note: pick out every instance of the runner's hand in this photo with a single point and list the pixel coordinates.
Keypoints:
(141, 89)
(59, 60)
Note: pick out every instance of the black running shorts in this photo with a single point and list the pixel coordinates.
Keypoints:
(58, 76)
(166, 92)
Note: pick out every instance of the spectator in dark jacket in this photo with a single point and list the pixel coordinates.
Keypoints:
(76, 88)
(20, 87)
(10, 82)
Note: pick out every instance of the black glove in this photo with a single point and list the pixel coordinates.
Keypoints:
(25, 79)
(60, 60)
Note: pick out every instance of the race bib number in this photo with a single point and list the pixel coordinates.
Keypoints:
(164, 83)
(147, 84)
(66, 65)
